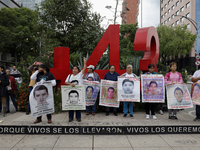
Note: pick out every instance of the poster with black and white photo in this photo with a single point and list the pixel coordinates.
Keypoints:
(41, 99)
(92, 90)
(128, 89)
(73, 98)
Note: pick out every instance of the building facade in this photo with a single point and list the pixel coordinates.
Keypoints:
(29, 3)
(172, 12)
(129, 11)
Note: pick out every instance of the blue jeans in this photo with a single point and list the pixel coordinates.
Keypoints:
(28, 107)
(71, 114)
(198, 111)
(108, 109)
(88, 108)
(8, 101)
(128, 108)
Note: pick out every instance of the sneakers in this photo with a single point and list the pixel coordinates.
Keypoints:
(79, 119)
(154, 117)
(147, 116)
(161, 112)
(70, 120)
(107, 113)
(131, 116)
(196, 119)
(125, 115)
(174, 117)
(115, 113)
(170, 117)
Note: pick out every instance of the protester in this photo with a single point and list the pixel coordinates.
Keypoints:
(151, 106)
(91, 76)
(111, 75)
(130, 107)
(75, 79)
(170, 77)
(4, 82)
(196, 78)
(17, 75)
(11, 88)
(43, 75)
(31, 69)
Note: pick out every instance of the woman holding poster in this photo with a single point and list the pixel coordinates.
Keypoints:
(170, 77)
(153, 89)
(42, 75)
(75, 79)
(112, 76)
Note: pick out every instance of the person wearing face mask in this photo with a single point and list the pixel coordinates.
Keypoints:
(72, 80)
(129, 108)
(43, 75)
(4, 82)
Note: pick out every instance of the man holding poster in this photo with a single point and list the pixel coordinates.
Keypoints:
(195, 90)
(128, 86)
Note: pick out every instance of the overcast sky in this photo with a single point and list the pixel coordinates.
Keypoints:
(150, 15)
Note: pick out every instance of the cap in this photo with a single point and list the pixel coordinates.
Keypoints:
(91, 67)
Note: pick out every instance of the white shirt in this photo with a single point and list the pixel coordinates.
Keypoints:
(196, 75)
(78, 77)
(130, 75)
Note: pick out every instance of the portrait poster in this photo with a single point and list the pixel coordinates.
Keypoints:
(73, 98)
(91, 90)
(153, 90)
(178, 96)
(108, 94)
(128, 89)
(41, 99)
(195, 93)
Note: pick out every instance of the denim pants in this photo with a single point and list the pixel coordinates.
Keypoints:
(108, 109)
(28, 107)
(88, 108)
(8, 101)
(128, 108)
(71, 114)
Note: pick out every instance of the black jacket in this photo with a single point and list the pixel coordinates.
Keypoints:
(4, 83)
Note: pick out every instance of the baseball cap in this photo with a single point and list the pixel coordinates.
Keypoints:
(91, 66)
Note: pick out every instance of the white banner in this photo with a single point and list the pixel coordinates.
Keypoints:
(153, 90)
(73, 98)
(108, 94)
(128, 89)
(92, 90)
(41, 99)
(178, 96)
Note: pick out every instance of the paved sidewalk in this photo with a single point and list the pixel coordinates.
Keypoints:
(100, 142)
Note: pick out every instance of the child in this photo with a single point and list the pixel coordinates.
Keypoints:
(173, 76)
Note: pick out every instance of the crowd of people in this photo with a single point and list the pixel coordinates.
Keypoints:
(40, 73)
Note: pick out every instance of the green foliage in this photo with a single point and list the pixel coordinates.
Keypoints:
(174, 40)
(73, 22)
(57, 101)
(17, 25)
(22, 97)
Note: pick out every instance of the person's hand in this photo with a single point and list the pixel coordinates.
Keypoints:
(84, 59)
(34, 63)
(72, 84)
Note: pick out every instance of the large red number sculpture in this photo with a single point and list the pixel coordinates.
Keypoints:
(146, 39)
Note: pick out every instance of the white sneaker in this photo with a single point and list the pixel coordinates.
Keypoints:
(147, 116)
(161, 112)
(154, 117)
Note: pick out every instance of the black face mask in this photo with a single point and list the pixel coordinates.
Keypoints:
(36, 68)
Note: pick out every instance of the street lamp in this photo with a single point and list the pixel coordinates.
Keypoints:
(196, 25)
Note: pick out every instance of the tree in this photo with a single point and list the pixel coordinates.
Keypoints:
(174, 40)
(73, 22)
(16, 27)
